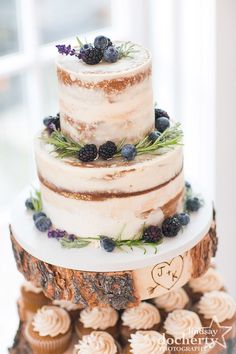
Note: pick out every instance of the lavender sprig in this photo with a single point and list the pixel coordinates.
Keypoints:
(67, 50)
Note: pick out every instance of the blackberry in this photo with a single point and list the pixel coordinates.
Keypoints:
(29, 204)
(38, 215)
(88, 153)
(129, 152)
(91, 55)
(107, 243)
(101, 42)
(193, 204)
(43, 224)
(109, 42)
(153, 136)
(160, 113)
(111, 54)
(107, 150)
(183, 218)
(162, 123)
(152, 234)
(171, 227)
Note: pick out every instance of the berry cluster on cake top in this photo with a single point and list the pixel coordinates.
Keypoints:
(101, 49)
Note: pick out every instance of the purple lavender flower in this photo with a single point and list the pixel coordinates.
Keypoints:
(67, 50)
(57, 234)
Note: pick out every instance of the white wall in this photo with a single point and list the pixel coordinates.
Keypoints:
(226, 138)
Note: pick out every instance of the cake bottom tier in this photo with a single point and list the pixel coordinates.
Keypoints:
(120, 289)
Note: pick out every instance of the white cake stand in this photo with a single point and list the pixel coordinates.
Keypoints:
(96, 259)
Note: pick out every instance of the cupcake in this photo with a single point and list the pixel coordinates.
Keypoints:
(145, 316)
(50, 331)
(209, 281)
(32, 298)
(172, 300)
(218, 308)
(70, 307)
(143, 342)
(97, 318)
(183, 331)
(98, 342)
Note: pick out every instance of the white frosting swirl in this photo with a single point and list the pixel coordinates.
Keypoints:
(29, 287)
(143, 316)
(148, 342)
(210, 281)
(173, 300)
(96, 342)
(217, 304)
(51, 321)
(99, 317)
(182, 324)
(67, 305)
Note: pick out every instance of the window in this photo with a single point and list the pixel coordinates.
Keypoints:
(29, 30)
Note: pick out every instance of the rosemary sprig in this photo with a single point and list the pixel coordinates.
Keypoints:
(81, 242)
(65, 147)
(36, 199)
(126, 49)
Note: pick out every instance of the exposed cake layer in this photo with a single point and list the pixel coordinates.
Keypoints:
(106, 101)
(104, 198)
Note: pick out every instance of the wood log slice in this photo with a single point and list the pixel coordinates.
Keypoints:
(120, 289)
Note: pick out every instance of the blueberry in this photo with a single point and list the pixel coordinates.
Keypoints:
(29, 205)
(183, 218)
(48, 120)
(162, 124)
(187, 185)
(153, 136)
(129, 152)
(111, 54)
(107, 243)
(101, 42)
(193, 204)
(38, 215)
(43, 224)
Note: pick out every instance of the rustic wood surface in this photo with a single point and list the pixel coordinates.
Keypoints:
(95, 288)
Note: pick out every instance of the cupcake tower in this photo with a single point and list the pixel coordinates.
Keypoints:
(112, 233)
(171, 322)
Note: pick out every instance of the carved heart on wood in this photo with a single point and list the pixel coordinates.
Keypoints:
(167, 274)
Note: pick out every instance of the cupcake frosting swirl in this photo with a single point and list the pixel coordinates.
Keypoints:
(67, 305)
(182, 324)
(96, 342)
(148, 342)
(217, 304)
(175, 299)
(29, 287)
(51, 321)
(143, 316)
(210, 281)
(99, 317)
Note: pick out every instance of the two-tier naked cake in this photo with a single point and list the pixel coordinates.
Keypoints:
(112, 221)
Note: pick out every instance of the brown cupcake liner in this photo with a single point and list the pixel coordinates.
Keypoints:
(81, 331)
(49, 346)
(32, 302)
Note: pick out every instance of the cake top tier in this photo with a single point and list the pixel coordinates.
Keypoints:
(139, 58)
(105, 98)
